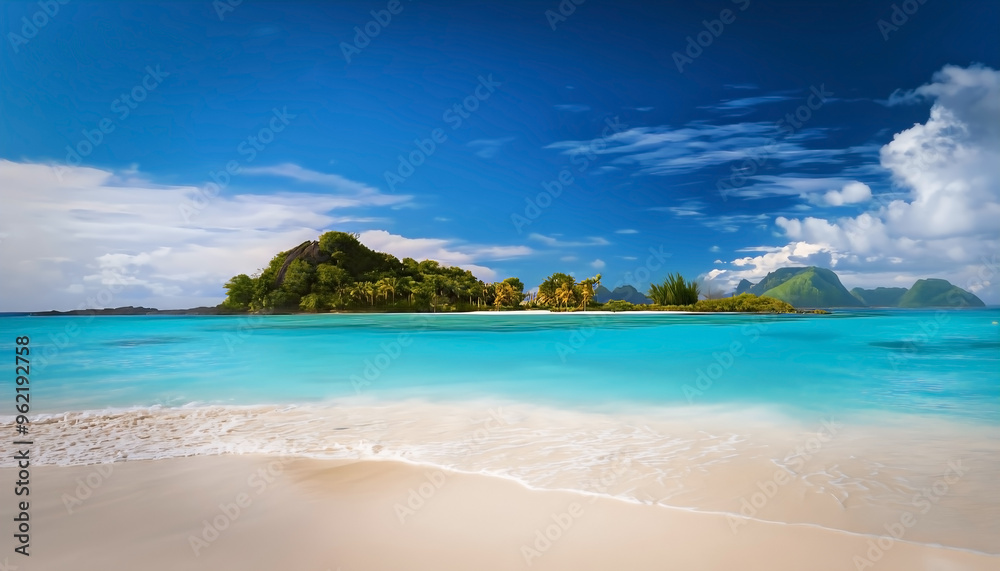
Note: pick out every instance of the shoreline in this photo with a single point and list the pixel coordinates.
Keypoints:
(822, 473)
(269, 511)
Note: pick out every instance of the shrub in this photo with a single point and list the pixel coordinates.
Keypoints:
(674, 291)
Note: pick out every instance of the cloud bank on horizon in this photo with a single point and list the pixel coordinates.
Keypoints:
(943, 216)
(252, 138)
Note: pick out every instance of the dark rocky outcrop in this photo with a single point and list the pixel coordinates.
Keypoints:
(309, 251)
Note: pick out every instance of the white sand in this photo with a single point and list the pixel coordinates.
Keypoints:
(334, 515)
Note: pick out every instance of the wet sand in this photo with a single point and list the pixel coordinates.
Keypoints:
(270, 512)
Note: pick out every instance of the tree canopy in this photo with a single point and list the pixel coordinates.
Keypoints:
(338, 272)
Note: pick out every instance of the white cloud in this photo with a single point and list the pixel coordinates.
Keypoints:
(714, 249)
(852, 193)
(626, 231)
(488, 148)
(556, 243)
(597, 264)
(689, 208)
(945, 219)
(352, 193)
(84, 231)
(665, 150)
(447, 252)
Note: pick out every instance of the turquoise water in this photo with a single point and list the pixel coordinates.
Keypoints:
(850, 363)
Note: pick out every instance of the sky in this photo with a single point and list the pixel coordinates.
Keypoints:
(151, 150)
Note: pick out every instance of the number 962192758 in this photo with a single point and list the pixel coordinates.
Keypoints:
(22, 370)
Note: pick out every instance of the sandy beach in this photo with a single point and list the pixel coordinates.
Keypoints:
(261, 512)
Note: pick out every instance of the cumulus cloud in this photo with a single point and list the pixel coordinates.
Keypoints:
(87, 237)
(597, 264)
(944, 218)
(852, 193)
(445, 251)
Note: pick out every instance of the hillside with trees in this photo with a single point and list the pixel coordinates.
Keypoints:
(338, 272)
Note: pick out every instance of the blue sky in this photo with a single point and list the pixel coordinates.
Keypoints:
(796, 133)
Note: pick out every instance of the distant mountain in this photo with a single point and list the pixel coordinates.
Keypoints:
(820, 287)
(623, 293)
(743, 287)
(880, 296)
(806, 287)
(938, 293)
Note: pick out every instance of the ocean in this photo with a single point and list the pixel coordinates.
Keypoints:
(861, 409)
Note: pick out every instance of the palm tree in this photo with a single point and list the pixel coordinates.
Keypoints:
(587, 289)
(357, 291)
(393, 284)
(368, 288)
(564, 294)
(406, 287)
(383, 288)
(505, 295)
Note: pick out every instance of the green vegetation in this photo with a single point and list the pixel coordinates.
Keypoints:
(743, 303)
(880, 296)
(563, 292)
(674, 291)
(819, 287)
(620, 305)
(806, 287)
(938, 293)
(338, 272)
(621, 293)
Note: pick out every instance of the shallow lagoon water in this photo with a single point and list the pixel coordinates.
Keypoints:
(939, 362)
